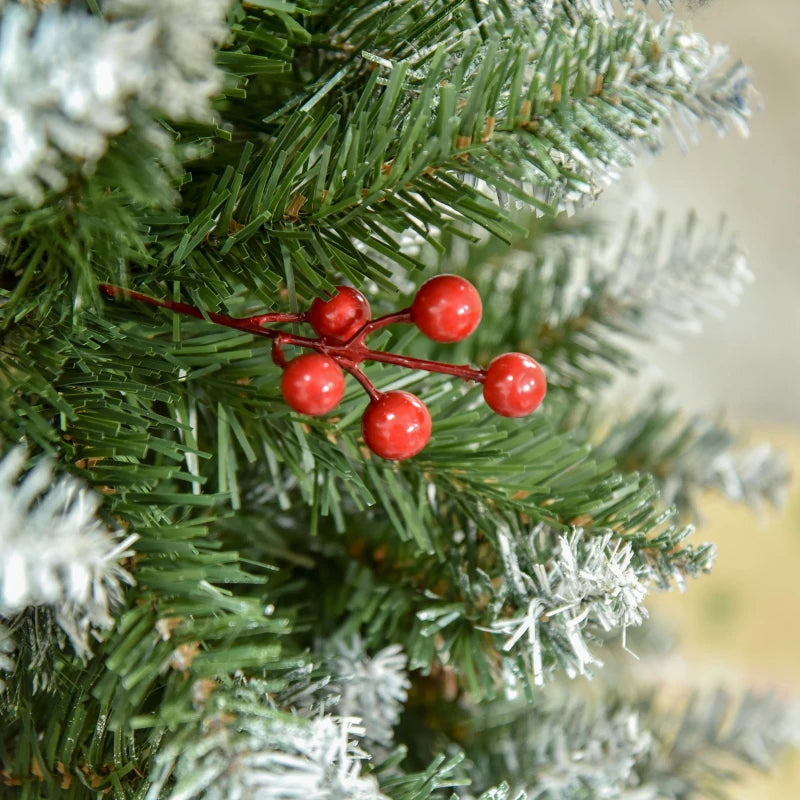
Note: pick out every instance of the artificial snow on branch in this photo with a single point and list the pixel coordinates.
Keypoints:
(354, 684)
(502, 105)
(656, 283)
(577, 299)
(7, 648)
(56, 552)
(245, 749)
(66, 79)
(580, 749)
(370, 688)
(565, 119)
(182, 76)
(587, 584)
(604, 10)
(567, 751)
(755, 475)
(697, 748)
(632, 749)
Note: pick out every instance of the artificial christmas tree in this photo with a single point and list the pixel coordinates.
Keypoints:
(206, 593)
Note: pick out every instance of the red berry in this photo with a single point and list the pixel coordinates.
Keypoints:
(447, 308)
(515, 385)
(340, 317)
(312, 384)
(396, 426)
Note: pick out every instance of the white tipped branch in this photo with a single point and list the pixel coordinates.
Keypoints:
(648, 282)
(370, 688)
(696, 453)
(66, 79)
(660, 285)
(588, 585)
(603, 10)
(755, 475)
(597, 751)
(248, 751)
(182, 76)
(631, 750)
(56, 552)
(580, 299)
(7, 648)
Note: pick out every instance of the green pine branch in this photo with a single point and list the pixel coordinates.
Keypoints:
(543, 114)
(117, 405)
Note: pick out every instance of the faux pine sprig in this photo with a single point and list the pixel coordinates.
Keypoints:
(589, 585)
(373, 688)
(67, 79)
(57, 552)
(240, 747)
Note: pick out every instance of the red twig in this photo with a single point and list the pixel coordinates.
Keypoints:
(369, 386)
(347, 354)
(278, 356)
(376, 324)
(242, 323)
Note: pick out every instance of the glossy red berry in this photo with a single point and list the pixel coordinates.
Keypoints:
(312, 384)
(515, 385)
(341, 316)
(447, 308)
(396, 426)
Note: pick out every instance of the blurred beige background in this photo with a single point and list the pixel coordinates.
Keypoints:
(741, 624)
(749, 361)
(738, 626)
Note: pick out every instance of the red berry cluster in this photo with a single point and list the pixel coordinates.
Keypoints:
(396, 425)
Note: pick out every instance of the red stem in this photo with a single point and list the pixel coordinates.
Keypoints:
(347, 354)
(370, 327)
(242, 323)
(368, 385)
(278, 357)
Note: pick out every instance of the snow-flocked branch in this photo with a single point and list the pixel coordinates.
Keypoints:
(245, 749)
(647, 282)
(370, 688)
(603, 10)
(690, 454)
(694, 751)
(544, 113)
(588, 584)
(56, 552)
(657, 284)
(573, 750)
(66, 79)
(578, 300)
(7, 648)
(182, 76)
(755, 475)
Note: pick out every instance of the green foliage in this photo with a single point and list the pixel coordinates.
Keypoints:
(342, 129)
(304, 192)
